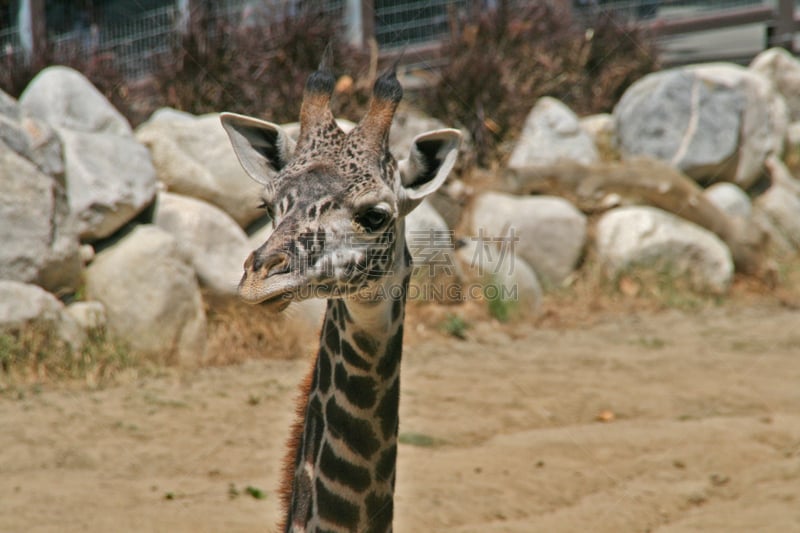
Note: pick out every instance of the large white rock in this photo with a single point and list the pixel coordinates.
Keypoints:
(151, 296)
(9, 106)
(110, 179)
(89, 315)
(64, 98)
(551, 232)
(783, 69)
(602, 130)
(793, 135)
(23, 303)
(779, 245)
(729, 198)
(193, 157)
(216, 245)
(24, 306)
(430, 241)
(44, 146)
(713, 121)
(651, 239)
(407, 124)
(781, 204)
(29, 137)
(38, 235)
(12, 134)
(425, 224)
(508, 275)
(552, 132)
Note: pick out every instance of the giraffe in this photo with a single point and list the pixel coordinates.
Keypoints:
(338, 202)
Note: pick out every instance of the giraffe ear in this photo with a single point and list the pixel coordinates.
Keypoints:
(263, 148)
(430, 160)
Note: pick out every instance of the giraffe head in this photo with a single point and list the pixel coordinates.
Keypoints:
(337, 199)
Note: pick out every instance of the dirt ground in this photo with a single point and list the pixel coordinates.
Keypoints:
(669, 421)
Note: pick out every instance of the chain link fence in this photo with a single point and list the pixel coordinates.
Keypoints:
(411, 22)
(135, 44)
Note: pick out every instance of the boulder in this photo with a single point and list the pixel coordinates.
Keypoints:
(30, 138)
(781, 204)
(88, 315)
(40, 241)
(511, 279)
(643, 181)
(780, 175)
(64, 98)
(407, 124)
(713, 122)
(450, 200)
(216, 245)
(431, 244)
(25, 306)
(730, 199)
(44, 147)
(649, 239)
(193, 157)
(23, 303)
(9, 106)
(552, 133)
(423, 222)
(12, 134)
(151, 296)
(86, 253)
(779, 244)
(547, 232)
(110, 179)
(602, 131)
(793, 137)
(783, 70)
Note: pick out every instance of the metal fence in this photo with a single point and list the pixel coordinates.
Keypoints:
(9, 41)
(663, 9)
(412, 22)
(136, 43)
(133, 46)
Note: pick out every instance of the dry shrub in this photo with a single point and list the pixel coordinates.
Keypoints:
(501, 63)
(98, 67)
(238, 332)
(256, 67)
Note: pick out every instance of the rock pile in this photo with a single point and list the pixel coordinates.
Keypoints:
(694, 182)
(686, 178)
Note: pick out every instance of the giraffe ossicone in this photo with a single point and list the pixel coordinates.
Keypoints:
(338, 202)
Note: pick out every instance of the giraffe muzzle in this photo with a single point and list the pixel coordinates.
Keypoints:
(267, 280)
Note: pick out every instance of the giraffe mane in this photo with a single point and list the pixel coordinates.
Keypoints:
(292, 446)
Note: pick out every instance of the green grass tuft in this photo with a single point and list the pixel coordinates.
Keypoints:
(455, 326)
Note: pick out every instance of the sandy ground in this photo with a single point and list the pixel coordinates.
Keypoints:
(503, 433)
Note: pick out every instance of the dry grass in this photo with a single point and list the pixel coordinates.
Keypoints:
(238, 332)
(36, 354)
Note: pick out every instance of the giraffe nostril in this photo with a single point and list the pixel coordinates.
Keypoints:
(248, 263)
(269, 264)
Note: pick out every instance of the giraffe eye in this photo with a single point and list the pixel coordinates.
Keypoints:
(373, 219)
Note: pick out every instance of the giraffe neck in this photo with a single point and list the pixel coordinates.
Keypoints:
(342, 468)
